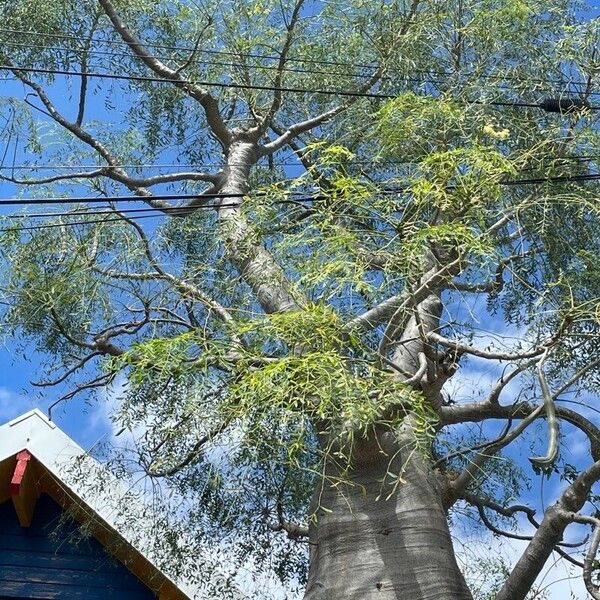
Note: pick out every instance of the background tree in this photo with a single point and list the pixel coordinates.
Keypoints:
(369, 182)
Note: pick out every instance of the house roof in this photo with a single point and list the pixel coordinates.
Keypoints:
(111, 512)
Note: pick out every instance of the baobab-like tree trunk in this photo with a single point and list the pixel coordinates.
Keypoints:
(384, 534)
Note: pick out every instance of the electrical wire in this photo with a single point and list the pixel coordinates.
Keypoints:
(584, 158)
(233, 85)
(218, 84)
(302, 197)
(291, 59)
(127, 198)
(105, 210)
(346, 74)
(159, 212)
(219, 63)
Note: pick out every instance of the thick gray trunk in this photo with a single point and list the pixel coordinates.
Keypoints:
(380, 541)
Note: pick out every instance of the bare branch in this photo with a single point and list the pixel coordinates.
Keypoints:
(509, 511)
(184, 287)
(494, 395)
(590, 563)
(548, 536)
(100, 381)
(491, 355)
(576, 377)
(481, 411)
(121, 177)
(84, 77)
(113, 171)
(194, 52)
(266, 120)
(475, 465)
(79, 365)
(468, 449)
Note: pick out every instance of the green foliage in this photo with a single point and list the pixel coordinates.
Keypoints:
(461, 180)
(298, 369)
(401, 122)
(401, 186)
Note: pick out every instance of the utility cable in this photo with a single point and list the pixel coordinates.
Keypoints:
(302, 197)
(575, 158)
(546, 104)
(292, 59)
(219, 63)
(346, 74)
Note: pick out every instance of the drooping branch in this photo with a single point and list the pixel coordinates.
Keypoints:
(79, 365)
(153, 470)
(590, 563)
(550, 409)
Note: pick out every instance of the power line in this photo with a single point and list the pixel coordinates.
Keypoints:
(159, 213)
(218, 84)
(127, 198)
(212, 62)
(556, 179)
(583, 158)
(191, 49)
(232, 85)
(291, 59)
(402, 76)
(301, 195)
(106, 210)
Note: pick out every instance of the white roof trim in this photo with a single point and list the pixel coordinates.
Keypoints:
(56, 451)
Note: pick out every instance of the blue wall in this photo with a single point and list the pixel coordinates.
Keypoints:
(51, 560)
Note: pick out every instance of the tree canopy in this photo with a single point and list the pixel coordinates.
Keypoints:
(291, 233)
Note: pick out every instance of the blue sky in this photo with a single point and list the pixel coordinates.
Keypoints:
(88, 423)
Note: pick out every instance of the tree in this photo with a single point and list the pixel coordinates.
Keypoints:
(369, 181)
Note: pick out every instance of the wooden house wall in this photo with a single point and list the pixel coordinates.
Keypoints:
(51, 560)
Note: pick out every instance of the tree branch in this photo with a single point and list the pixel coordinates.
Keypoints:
(590, 563)
(304, 126)
(113, 171)
(448, 343)
(548, 536)
(206, 100)
(266, 120)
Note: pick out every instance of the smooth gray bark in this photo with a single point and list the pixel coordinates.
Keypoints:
(252, 260)
(380, 537)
